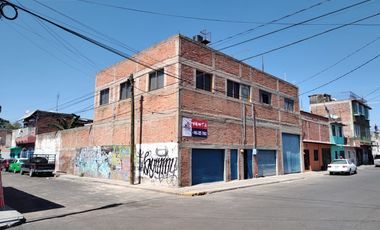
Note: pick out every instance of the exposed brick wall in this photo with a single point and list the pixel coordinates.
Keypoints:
(185, 167)
(2, 204)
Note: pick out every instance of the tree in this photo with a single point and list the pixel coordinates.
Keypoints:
(67, 123)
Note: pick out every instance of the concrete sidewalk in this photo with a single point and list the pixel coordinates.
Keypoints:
(10, 217)
(200, 189)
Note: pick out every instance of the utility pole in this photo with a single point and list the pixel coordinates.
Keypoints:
(132, 154)
(140, 135)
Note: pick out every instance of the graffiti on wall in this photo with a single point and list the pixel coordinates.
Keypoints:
(110, 162)
(159, 163)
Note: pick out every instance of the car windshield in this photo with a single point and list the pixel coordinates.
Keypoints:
(377, 157)
(339, 162)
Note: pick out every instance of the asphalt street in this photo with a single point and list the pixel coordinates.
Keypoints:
(318, 202)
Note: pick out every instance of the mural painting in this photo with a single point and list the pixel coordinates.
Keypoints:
(159, 163)
(111, 162)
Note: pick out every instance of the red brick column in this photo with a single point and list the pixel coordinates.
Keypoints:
(2, 205)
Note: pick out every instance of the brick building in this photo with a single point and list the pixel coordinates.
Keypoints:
(316, 141)
(38, 122)
(201, 116)
(353, 112)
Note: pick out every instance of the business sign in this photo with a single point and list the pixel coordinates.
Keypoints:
(194, 127)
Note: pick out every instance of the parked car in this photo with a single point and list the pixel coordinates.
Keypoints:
(16, 165)
(376, 161)
(36, 165)
(5, 164)
(342, 166)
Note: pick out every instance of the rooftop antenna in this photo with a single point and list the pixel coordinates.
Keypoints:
(56, 108)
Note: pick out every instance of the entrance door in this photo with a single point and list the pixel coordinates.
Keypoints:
(326, 158)
(234, 164)
(248, 164)
(291, 153)
(266, 161)
(207, 165)
(306, 159)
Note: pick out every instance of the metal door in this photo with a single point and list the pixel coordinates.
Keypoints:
(234, 164)
(207, 165)
(266, 161)
(248, 174)
(291, 153)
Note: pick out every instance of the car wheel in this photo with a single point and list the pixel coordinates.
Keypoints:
(349, 172)
(331, 173)
(356, 171)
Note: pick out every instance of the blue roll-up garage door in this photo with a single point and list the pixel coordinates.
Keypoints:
(291, 153)
(266, 161)
(207, 165)
(234, 164)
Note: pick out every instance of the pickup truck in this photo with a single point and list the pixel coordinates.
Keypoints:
(36, 165)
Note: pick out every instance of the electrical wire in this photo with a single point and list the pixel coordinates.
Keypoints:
(296, 24)
(338, 62)
(308, 38)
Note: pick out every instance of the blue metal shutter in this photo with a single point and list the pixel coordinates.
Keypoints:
(234, 164)
(207, 165)
(291, 153)
(248, 174)
(266, 161)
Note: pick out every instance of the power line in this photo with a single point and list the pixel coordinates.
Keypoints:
(296, 24)
(310, 37)
(342, 76)
(271, 22)
(338, 62)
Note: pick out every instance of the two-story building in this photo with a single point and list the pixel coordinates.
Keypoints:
(201, 116)
(316, 141)
(354, 115)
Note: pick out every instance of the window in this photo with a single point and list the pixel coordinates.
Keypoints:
(357, 130)
(156, 79)
(125, 90)
(203, 80)
(265, 97)
(333, 130)
(104, 96)
(316, 155)
(288, 104)
(340, 133)
(233, 89)
(237, 90)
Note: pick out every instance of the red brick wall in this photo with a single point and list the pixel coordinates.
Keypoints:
(2, 204)
(315, 128)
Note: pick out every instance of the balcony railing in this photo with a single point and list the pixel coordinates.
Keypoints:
(25, 132)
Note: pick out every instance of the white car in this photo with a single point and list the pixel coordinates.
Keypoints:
(376, 161)
(342, 166)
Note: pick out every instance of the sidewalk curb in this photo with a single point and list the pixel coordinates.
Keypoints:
(200, 192)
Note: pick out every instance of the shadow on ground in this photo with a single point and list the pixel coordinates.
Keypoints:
(24, 202)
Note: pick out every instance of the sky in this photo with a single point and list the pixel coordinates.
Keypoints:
(41, 64)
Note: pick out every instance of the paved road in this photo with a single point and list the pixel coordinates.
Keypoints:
(318, 202)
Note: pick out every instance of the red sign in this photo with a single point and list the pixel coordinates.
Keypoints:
(199, 124)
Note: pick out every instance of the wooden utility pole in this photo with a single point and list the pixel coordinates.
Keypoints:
(132, 154)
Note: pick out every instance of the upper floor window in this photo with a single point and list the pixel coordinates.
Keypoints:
(333, 130)
(233, 89)
(340, 131)
(288, 104)
(356, 130)
(237, 90)
(203, 80)
(156, 79)
(265, 97)
(125, 90)
(104, 96)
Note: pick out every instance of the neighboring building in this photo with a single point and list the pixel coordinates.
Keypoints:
(375, 140)
(200, 114)
(354, 114)
(34, 123)
(316, 141)
(5, 142)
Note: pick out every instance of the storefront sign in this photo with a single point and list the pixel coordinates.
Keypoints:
(194, 127)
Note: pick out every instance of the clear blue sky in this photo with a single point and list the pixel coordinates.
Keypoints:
(39, 61)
